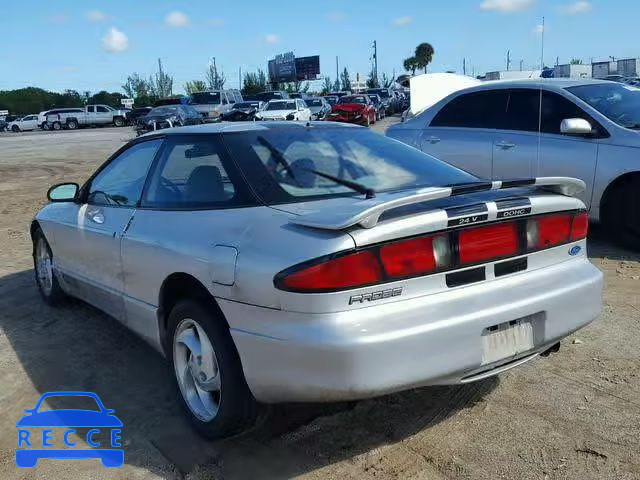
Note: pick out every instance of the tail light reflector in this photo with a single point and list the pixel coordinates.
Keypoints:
(484, 243)
(356, 269)
(580, 226)
(548, 231)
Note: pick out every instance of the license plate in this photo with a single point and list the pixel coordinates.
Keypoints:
(507, 340)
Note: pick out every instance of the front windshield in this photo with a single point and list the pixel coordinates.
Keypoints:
(380, 91)
(331, 100)
(282, 161)
(313, 102)
(619, 103)
(281, 105)
(205, 98)
(352, 99)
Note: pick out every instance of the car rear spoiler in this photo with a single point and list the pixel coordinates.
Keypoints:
(366, 213)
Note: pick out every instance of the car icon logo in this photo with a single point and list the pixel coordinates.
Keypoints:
(32, 447)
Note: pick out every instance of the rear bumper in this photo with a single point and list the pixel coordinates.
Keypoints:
(431, 340)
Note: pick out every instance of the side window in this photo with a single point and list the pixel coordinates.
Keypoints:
(91, 109)
(101, 109)
(474, 110)
(523, 110)
(120, 183)
(191, 174)
(555, 109)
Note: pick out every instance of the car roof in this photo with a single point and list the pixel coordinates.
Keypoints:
(546, 83)
(232, 127)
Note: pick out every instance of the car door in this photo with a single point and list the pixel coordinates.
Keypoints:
(89, 247)
(104, 116)
(462, 131)
(30, 122)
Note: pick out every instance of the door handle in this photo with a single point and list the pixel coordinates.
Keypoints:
(505, 145)
(433, 140)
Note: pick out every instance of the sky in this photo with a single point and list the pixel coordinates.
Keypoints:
(94, 44)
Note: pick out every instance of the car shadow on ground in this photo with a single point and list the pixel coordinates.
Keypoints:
(76, 347)
(603, 245)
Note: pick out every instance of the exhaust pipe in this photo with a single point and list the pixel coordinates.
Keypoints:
(554, 349)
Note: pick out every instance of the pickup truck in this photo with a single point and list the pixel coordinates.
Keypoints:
(91, 115)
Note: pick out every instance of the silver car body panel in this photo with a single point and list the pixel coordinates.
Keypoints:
(296, 346)
(483, 152)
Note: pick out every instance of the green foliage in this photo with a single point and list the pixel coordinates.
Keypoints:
(411, 65)
(372, 80)
(386, 81)
(336, 85)
(33, 100)
(326, 85)
(215, 79)
(194, 86)
(254, 82)
(424, 55)
(161, 83)
(576, 61)
(105, 98)
(345, 81)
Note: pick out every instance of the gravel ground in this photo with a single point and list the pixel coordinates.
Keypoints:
(574, 415)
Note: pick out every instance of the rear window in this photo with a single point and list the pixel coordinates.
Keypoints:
(282, 164)
(313, 102)
(205, 98)
(352, 99)
(282, 105)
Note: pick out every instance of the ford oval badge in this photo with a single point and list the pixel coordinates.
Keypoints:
(575, 250)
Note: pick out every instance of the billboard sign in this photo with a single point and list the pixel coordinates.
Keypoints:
(308, 68)
(283, 68)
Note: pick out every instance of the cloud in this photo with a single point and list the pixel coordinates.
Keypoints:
(115, 41)
(216, 22)
(176, 20)
(271, 38)
(576, 8)
(96, 16)
(507, 6)
(402, 21)
(540, 29)
(337, 17)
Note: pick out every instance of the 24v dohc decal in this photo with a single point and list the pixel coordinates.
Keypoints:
(58, 425)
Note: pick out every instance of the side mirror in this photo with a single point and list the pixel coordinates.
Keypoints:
(63, 192)
(576, 126)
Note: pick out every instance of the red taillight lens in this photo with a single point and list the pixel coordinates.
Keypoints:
(553, 230)
(361, 268)
(580, 226)
(415, 257)
(479, 244)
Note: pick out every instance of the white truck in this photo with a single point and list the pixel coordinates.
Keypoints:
(91, 115)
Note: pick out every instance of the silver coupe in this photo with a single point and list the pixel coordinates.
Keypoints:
(274, 261)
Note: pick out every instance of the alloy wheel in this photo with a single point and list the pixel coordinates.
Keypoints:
(44, 269)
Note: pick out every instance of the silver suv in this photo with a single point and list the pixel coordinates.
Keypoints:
(585, 129)
(213, 104)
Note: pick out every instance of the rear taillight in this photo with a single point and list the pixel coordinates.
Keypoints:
(356, 269)
(436, 253)
(415, 257)
(485, 243)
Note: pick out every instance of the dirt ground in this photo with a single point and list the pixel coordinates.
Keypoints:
(574, 415)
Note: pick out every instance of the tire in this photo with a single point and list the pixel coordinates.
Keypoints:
(45, 126)
(72, 124)
(368, 123)
(15, 128)
(224, 407)
(57, 126)
(46, 280)
(621, 214)
(119, 122)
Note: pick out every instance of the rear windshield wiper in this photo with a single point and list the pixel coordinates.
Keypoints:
(358, 187)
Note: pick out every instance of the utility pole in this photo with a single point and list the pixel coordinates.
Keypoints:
(464, 66)
(508, 60)
(521, 64)
(337, 70)
(375, 61)
(557, 61)
(239, 78)
(542, 47)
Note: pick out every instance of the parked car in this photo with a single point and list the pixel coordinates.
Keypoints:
(28, 122)
(292, 109)
(339, 94)
(319, 107)
(3, 125)
(42, 116)
(177, 100)
(273, 262)
(615, 78)
(381, 111)
(272, 95)
(213, 104)
(302, 95)
(136, 113)
(588, 130)
(388, 99)
(168, 116)
(332, 99)
(90, 116)
(243, 111)
(357, 109)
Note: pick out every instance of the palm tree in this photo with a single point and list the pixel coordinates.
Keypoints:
(424, 55)
(411, 64)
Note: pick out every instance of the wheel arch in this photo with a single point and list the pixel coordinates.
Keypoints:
(614, 186)
(178, 286)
